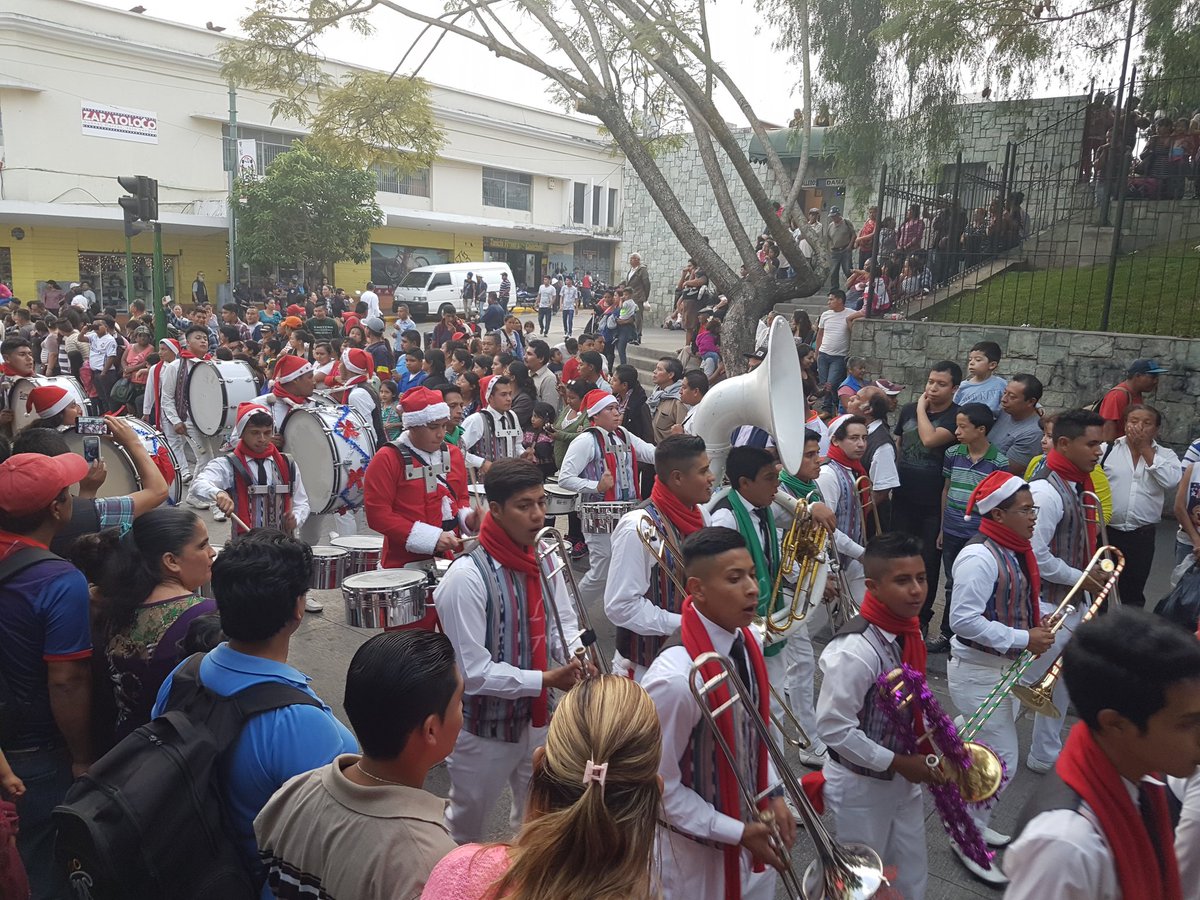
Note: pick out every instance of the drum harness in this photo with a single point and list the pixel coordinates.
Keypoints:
(432, 473)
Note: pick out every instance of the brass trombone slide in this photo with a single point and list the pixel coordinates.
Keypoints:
(660, 544)
(549, 541)
(840, 871)
(1093, 514)
(862, 486)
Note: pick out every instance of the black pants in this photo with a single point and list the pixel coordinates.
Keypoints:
(1138, 547)
(923, 522)
(574, 528)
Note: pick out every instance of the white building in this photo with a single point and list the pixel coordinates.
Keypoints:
(88, 93)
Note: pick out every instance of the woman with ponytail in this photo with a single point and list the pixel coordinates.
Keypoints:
(148, 581)
(593, 808)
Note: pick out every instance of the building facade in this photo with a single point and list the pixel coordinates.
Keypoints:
(122, 93)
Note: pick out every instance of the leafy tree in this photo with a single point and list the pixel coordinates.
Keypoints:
(309, 208)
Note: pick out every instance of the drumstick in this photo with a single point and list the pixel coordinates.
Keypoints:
(240, 524)
(474, 496)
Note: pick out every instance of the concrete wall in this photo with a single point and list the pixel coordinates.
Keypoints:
(1075, 367)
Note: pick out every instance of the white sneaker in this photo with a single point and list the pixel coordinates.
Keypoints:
(313, 606)
(995, 839)
(992, 876)
(219, 516)
(195, 503)
(1033, 764)
(814, 758)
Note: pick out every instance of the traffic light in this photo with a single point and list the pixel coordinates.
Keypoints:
(141, 204)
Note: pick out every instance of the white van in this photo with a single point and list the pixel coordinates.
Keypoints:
(433, 289)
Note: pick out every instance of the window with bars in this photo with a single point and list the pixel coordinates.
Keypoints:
(389, 180)
(507, 190)
(612, 207)
(269, 145)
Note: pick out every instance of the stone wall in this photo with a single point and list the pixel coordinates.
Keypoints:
(1076, 367)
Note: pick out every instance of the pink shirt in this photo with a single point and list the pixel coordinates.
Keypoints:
(705, 342)
(466, 873)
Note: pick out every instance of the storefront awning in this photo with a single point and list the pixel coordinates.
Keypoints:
(788, 142)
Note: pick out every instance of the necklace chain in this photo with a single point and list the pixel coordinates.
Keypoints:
(358, 765)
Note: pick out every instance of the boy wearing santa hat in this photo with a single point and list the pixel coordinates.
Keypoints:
(353, 390)
(601, 465)
(291, 388)
(168, 352)
(56, 407)
(176, 405)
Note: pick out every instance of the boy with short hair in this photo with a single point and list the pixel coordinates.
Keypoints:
(983, 385)
(414, 373)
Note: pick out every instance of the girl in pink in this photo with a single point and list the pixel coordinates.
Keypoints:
(708, 346)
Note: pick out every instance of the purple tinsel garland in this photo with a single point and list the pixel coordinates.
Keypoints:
(951, 807)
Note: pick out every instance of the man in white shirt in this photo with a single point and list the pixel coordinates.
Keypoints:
(546, 298)
(880, 458)
(492, 433)
(371, 298)
(833, 345)
(567, 298)
(102, 357)
(1141, 473)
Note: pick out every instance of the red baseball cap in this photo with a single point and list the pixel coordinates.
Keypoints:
(29, 481)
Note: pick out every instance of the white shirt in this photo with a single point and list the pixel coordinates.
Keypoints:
(666, 682)
(1187, 834)
(569, 296)
(166, 392)
(827, 485)
(835, 341)
(361, 401)
(1063, 854)
(372, 300)
(1139, 490)
(100, 349)
(883, 464)
(218, 476)
(851, 666)
(584, 449)
(975, 573)
(461, 600)
(546, 295)
(629, 573)
(1050, 513)
(474, 428)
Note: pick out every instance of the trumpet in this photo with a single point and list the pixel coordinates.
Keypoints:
(862, 489)
(549, 541)
(1009, 681)
(803, 544)
(665, 551)
(840, 871)
(1093, 514)
(1036, 697)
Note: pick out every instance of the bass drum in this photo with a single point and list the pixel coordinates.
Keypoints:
(215, 388)
(122, 479)
(332, 446)
(18, 395)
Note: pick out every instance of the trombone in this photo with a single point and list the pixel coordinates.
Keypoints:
(862, 490)
(803, 544)
(665, 551)
(1093, 514)
(842, 607)
(1037, 696)
(840, 871)
(548, 542)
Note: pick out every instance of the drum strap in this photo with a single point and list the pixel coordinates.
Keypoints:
(433, 473)
(262, 506)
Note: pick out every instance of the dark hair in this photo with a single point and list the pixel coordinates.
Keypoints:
(878, 405)
(839, 293)
(1072, 423)
(482, 360)
(390, 386)
(257, 579)
(505, 359)
(846, 423)
(472, 380)
(1009, 502)
(519, 373)
(127, 569)
(40, 440)
(810, 435)
(572, 345)
(593, 359)
(437, 361)
(411, 336)
(544, 411)
(450, 388)
(1144, 407)
(990, 349)
(951, 367)
(708, 542)
(223, 353)
(540, 349)
(674, 452)
(746, 462)
(580, 388)
(978, 414)
(416, 353)
(395, 682)
(673, 365)
(12, 344)
(696, 380)
(1126, 661)
(463, 356)
(259, 419)
(886, 547)
(231, 307)
(1031, 385)
(628, 374)
(508, 477)
(194, 329)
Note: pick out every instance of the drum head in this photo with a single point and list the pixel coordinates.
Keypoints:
(215, 388)
(359, 542)
(329, 552)
(385, 579)
(155, 443)
(307, 436)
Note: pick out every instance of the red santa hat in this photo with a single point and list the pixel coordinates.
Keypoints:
(485, 387)
(421, 405)
(49, 400)
(171, 344)
(244, 412)
(290, 367)
(597, 400)
(358, 361)
(993, 491)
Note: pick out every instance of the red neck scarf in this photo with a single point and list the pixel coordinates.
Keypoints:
(857, 471)
(517, 558)
(156, 374)
(990, 528)
(1072, 474)
(279, 389)
(6, 369)
(686, 518)
(242, 500)
(913, 652)
(697, 642)
(619, 436)
(185, 353)
(1088, 771)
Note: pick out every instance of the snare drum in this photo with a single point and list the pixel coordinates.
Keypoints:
(332, 446)
(123, 478)
(365, 552)
(385, 598)
(602, 518)
(435, 569)
(215, 388)
(329, 568)
(18, 396)
(560, 501)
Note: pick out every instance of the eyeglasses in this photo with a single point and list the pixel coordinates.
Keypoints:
(1030, 511)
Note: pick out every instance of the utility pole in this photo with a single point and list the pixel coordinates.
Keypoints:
(236, 159)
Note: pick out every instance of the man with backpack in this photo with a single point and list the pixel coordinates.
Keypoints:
(1140, 378)
(45, 652)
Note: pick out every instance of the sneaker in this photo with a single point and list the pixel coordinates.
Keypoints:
(939, 644)
(814, 759)
(313, 606)
(219, 516)
(579, 550)
(992, 876)
(195, 503)
(1033, 764)
(995, 839)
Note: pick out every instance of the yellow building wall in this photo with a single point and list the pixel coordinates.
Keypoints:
(354, 276)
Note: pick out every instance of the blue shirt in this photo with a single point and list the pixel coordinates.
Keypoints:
(274, 746)
(988, 392)
(409, 380)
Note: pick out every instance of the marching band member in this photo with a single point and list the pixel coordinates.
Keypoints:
(640, 597)
(492, 608)
(417, 497)
(1063, 540)
(994, 615)
(255, 482)
(1100, 827)
(492, 433)
(291, 388)
(56, 407)
(836, 484)
(357, 366)
(177, 423)
(168, 352)
(714, 846)
(880, 457)
(869, 803)
(601, 465)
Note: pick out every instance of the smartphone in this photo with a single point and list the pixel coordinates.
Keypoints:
(91, 425)
(91, 448)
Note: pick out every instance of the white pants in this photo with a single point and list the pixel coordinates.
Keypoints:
(479, 768)
(1047, 732)
(591, 586)
(800, 680)
(887, 816)
(203, 447)
(692, 871)
(969, 684)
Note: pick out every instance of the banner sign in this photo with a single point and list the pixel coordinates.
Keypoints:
(247, 149)
(119, 123)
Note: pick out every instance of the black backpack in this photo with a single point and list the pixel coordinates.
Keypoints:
(12, 709)
(147, 821)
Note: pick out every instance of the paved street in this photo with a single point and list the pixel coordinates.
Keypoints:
(324, 645)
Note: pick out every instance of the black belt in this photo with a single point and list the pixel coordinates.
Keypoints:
(1137, 530)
